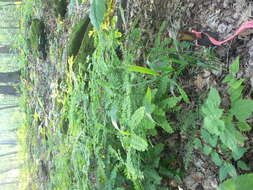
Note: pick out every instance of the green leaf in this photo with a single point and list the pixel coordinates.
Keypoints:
(231, 137)
(143, 70)
(229, 78)
(238, 153)
(216, 159)
(181, 91)
(170, 102)
(207, 149)
(97, 11)
(162, 88)
(147, 101)
(160, 118)
(147, 123)
(242, 109)
(212, 114)
(173, 101)
(183, 94)
(223, 173)
(212, 140)
(226, 169)
(234, 67)
(241, 164)
(148, 97)
(242, 182)
(213, 98)
(138, 143)
(137, 117)
(243, 126)
(231, 170)
(166, 126)
(197, 143)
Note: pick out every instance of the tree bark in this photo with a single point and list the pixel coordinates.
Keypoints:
(7, 154)
(10, 1)
(9, 28)
(8, 90)
(10, 77)
(9, 169)
(8, 107)
(8, 142)
(8, 183)
(5, 49)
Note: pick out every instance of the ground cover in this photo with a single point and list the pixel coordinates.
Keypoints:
(114, 101)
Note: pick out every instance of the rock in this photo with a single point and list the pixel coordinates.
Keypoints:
(222, 28)
(226, 4)
(199, 163)
(213, 20)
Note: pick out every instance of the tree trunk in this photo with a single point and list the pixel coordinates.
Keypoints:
(8, 107)
(5, 49)
(8, 90)
(8, 183)
(9, 28)
(8, 142)
(9, 169)
(10, 77)
(10, 1)
(7, 154)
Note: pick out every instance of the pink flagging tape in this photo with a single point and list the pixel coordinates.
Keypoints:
(245, 26)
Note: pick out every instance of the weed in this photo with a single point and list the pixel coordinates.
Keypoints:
(222, 129)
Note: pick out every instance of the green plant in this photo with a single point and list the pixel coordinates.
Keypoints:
(97, 13)
(222, 129)
(242, 182)
(60, 7)
(37, 37)
(77, 35)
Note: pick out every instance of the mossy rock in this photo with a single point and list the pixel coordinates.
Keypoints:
(86, 48)
(37, 37)
(76, 36)
(60, 7)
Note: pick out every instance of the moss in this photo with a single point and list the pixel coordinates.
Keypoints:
(37, 37)
(77, 35)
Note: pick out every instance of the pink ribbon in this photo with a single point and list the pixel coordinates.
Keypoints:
(245, 26)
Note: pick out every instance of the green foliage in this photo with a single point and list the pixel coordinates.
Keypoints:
(60, 7)
(109, 111)
(221, 130)
(242, 182)
(87, 47)
(37, 37)
(97, 12)
(76, 37)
